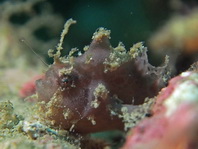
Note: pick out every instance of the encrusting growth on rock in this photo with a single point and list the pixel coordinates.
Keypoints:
(87, 93)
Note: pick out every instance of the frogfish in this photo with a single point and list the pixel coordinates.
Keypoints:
(91, 92)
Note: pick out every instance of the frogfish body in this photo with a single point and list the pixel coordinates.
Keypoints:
(86, 93)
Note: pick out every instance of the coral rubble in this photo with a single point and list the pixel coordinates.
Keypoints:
(20, 21)
(179, 39)
(180, 33)
(12, 30)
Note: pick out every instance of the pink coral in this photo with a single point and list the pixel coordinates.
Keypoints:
(175, 120)
(29, 88)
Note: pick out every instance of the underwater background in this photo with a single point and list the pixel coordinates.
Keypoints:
(165, 27)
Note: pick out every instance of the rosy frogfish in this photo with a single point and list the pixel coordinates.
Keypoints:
(87, 93)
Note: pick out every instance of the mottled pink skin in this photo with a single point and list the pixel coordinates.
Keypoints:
(162, 131)
(148, 129)
(165, 93)
(128, 82)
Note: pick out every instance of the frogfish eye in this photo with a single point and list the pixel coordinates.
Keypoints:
(67, 81)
